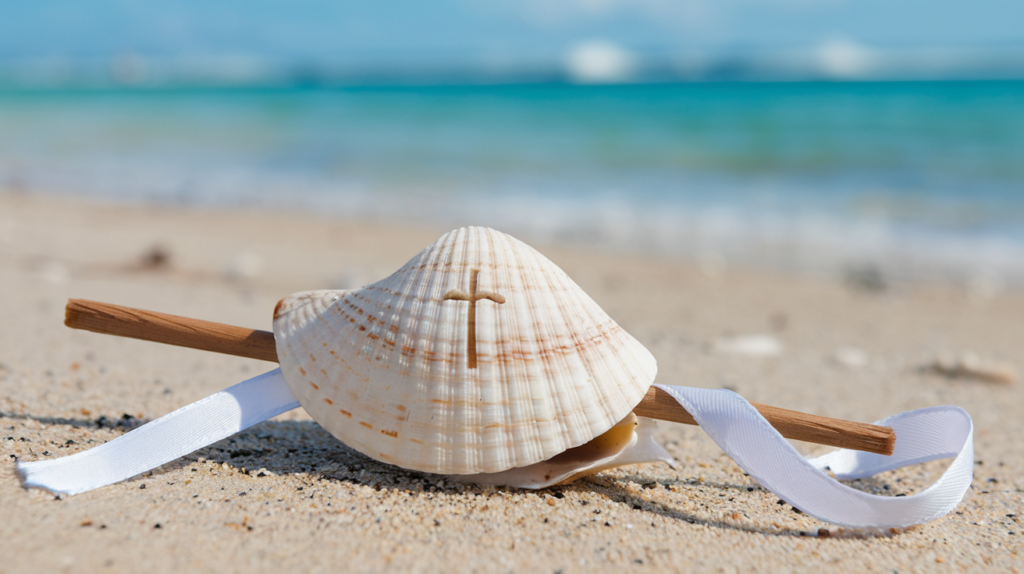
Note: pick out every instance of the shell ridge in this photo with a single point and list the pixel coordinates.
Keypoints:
(418, 326)
(490, 449)
(525, 262)
(510, 370)
(581, 420)
(505, 433)
(439, 282)
(432, 287)
(519, 438)
(472, 257)
(462, 382)
(612, 334)
(568, 313)
(401, 288)
(552, 361)
(597, 359)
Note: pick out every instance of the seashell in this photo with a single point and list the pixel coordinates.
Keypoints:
(478, 356)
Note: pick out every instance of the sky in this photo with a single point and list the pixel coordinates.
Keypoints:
(493, 32)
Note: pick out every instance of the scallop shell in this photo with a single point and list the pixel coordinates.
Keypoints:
(478, 356)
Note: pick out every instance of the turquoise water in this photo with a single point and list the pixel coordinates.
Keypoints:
(913, 178)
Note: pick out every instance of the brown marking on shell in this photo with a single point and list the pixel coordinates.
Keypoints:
(344, 412)
(366, 424)
(392, 434)
(303, 371)
(400, 407)
(416, 440)
(329, 401)
(312, 384)
(277, 308)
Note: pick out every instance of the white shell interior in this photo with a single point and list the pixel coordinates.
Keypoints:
(385, 368)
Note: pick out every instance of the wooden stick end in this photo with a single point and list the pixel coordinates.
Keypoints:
(71, 311)
(889, 444)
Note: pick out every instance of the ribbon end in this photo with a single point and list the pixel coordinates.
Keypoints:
(35, 475)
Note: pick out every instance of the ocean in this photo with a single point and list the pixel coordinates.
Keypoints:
(901, 181)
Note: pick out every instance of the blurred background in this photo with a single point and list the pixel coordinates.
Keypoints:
(877, 141)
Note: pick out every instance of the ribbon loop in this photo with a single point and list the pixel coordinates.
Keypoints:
(921, 435)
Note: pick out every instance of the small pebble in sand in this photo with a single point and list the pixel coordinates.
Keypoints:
(156, 257)
(850, 357)
(970, 366)
(749, 345)
(867, 279)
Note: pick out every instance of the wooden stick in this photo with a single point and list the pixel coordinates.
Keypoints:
(170, 329)
(657, 404)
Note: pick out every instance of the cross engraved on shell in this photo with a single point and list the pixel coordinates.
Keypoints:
(473, 296)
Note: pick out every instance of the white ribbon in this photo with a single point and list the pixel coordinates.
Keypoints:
(921, 435)
(169, 437)
(737, 427)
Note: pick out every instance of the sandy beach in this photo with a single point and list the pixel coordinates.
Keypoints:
(287, 496)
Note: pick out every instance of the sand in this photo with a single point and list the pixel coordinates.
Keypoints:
(285, 495)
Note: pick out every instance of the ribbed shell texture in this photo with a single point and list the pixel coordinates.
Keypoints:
(387, 368)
